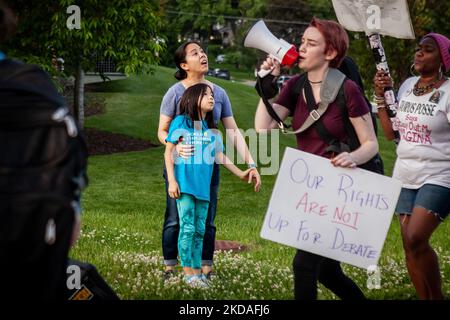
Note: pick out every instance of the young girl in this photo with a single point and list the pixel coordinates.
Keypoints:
(192, 65)
(190, 178)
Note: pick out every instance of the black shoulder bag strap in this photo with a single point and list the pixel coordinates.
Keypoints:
(335, 146)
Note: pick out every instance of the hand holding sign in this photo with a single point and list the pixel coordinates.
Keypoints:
(340, 213)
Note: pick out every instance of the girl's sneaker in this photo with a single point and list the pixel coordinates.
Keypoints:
(168, 275)
(195, 281)
(204, 278)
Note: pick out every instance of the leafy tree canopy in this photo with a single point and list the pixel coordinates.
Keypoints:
(126, 30)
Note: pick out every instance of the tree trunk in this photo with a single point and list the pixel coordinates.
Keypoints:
(79, 96)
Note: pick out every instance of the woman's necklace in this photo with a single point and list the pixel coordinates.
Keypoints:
(314, 82)
(419, 91)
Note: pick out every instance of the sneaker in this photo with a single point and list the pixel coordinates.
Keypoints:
(203, 277)
(168, 274)
(195, 282)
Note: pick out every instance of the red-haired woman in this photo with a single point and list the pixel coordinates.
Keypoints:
(323, 46)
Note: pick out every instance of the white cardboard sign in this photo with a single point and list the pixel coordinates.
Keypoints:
(340, 213)
(391, 16)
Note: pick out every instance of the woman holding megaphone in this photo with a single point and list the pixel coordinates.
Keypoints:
(192, 65)
(323, 47)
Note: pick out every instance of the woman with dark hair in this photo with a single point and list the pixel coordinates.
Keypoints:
(192, 65)
(423, 157)
(190, 179)
(323, 47)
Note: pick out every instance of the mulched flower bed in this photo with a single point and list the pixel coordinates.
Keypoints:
(102, 142)
(228, 245)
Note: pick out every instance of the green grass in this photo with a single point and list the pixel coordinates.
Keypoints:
(125, 201)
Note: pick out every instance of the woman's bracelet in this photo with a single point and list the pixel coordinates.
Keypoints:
(381, 105)
(378, 99)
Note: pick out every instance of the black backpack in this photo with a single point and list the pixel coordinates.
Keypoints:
(92, 285)
(43, 160)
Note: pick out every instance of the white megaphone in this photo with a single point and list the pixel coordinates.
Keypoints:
(259, 37)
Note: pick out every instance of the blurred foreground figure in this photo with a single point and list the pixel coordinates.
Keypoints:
(42, 172)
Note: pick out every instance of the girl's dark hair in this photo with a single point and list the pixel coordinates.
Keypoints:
(189, 104)
(7, 22)
(179, 57)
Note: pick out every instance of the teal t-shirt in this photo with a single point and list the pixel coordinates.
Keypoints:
(194, 173)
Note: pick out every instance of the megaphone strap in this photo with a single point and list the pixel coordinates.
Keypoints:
(269, 107)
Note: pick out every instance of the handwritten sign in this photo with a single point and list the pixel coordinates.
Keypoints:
(340, 213)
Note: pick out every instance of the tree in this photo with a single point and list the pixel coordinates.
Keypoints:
(291, 19)
(125, 30)
(426, 16)
(188, 19)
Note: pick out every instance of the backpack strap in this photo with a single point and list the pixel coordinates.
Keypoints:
(334, 145)
(332, 84)
(333, 80)
(352, 141)
(311, 103)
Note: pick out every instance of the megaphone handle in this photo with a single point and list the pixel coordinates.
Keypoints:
(262, 73)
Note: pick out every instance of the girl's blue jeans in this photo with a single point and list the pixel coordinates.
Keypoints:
(192, 213)
(171, 225)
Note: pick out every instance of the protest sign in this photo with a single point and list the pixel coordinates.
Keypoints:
(340, 213)
(392, 15)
